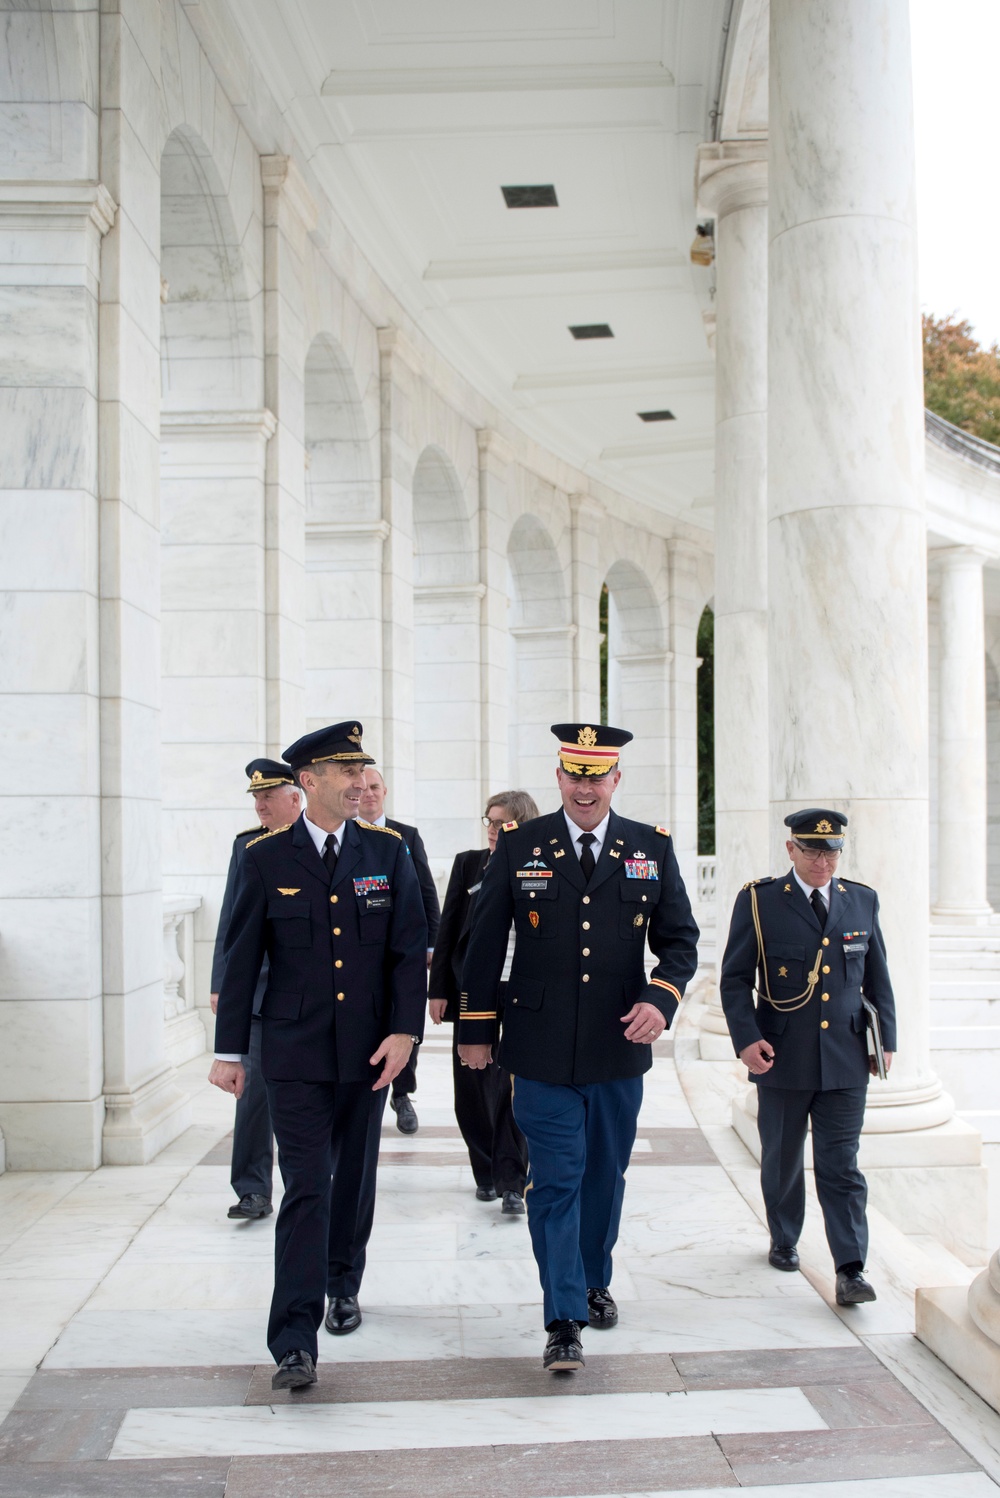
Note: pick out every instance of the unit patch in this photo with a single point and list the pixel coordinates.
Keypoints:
(534, 918)
(641, 868)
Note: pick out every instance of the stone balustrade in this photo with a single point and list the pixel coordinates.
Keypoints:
(185, 1033)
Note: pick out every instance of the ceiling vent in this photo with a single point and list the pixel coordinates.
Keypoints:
(543, 196)
(656, 416)
(592, 330)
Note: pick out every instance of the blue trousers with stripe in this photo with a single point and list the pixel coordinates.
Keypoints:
(579, 1142)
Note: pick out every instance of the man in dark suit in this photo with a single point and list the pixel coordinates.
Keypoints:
(483, 1107)
(277, 801)
(812, 945)
(335, 907)
(585, 888)
(373, 811)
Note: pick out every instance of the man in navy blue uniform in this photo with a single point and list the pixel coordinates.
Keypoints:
(335, 906)
(585, 889)
(812, 946)
(277, 801)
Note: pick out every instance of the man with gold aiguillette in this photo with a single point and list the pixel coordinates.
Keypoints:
(812, 944)
(584, 889)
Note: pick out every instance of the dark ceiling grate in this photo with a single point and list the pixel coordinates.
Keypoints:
(656, 416)
(592, 330)
(539, 196)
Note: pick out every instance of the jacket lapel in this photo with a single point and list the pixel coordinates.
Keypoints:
(798, 902)
(474, 875)
(613, 853)
(558, 851)
(837, 900)
(350, 854)
(306, 853)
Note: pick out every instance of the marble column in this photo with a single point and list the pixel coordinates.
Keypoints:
(962, 809)
(542, 695)
(847, 665)
(494, 527)
(586, 576)
(682, 675)
(399, 374)
(732, 185)
(290, 215)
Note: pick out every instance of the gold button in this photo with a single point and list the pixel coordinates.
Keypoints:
(827, 968)
(826, 941)
(826, 998)
(586, 899)
(333, 899)
(336, 930)
(824, 1024)
(341, 996)
(338, 963)
(586, 925)
(586, 977)
(586, 951)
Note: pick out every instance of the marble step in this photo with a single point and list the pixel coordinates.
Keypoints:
(962, 987)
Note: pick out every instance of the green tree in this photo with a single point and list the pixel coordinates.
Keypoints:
(961, 379)
(706, 733)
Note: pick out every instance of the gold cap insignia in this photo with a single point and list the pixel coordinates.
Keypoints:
(355, 735)
(587, 738)
(824, 826)
(256, 778)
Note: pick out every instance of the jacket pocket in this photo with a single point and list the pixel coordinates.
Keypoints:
(278, 1005)
(785, 965)
(638, 898)
(770, 1021)
(524, 993)
(290, 921)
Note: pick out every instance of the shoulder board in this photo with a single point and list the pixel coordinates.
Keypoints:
(664, 830)
(273, 833)
(251, 831)
(858, 882)
(508, 827)
(373, 827)
(751, 883)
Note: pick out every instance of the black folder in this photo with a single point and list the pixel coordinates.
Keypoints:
(875, 1032)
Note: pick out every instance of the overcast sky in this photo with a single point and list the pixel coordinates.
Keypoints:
(956, 55)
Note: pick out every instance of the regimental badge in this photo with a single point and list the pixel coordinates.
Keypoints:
(587, 738)
(559, 853)
(256, 778)
(288, 891)
(613, 853)
(824, 826)
(535, 852)
(842, 889)
(788, 889)
(534, 918)
(638, 920)
(782, 972)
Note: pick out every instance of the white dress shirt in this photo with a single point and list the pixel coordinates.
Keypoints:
(599, 833)
(807, 889)
(319, 837)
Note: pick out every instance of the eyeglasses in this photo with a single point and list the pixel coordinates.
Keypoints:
(813, 855)
(489, 822)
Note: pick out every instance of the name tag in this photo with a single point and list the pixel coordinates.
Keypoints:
(641, 868)
(378, 902)
(371, 884)
(533, 884)
(855, 946)
(473, 887)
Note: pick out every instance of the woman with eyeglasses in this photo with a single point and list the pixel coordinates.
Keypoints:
(496, 1146)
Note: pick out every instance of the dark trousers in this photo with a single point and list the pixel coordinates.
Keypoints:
(782, 1120)
(405, 1081)
(253, 1146)
(484, 1110)
(579, 1143)
(328, 1136)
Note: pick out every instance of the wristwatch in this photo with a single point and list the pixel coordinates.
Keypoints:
(417, 1039)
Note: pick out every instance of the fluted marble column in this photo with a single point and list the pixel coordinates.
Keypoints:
(847, 535)
(962, 812)
(732, 185)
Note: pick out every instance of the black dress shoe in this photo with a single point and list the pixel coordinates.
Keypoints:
(513, 1204)
(343, 1316)
(295, 1371)
(406, 1115)
(603, 1311)
(485, 1194)
(783, 1257)
(250, 1206)
(563, 1351)
(853, 1289)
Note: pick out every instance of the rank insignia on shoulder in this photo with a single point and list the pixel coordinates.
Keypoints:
(665, 831)
(273, 833)
(374, 827)
(250, 831)
(508, 827)
(287, 891)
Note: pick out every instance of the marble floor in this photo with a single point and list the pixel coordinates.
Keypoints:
(133, 1361)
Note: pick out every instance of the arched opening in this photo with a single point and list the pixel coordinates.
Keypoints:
(446, 654)
(540, 673)
(343, 546)
(638, 690)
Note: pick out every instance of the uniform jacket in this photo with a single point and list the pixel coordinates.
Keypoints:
(578, 955)
(348, 958)
(428, 889)
(453, 933)
(808, 1053)
(218, 959)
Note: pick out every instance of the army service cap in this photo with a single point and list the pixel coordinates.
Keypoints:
(818, 828)
(589, 749)
(264, 774)
(341, 741)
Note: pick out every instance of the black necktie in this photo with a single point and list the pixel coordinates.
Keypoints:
(816, 901)
(330, 853)
(587, 856)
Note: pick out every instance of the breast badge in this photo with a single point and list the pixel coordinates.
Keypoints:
(534, 918)
(638, 920)
(287, 891)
